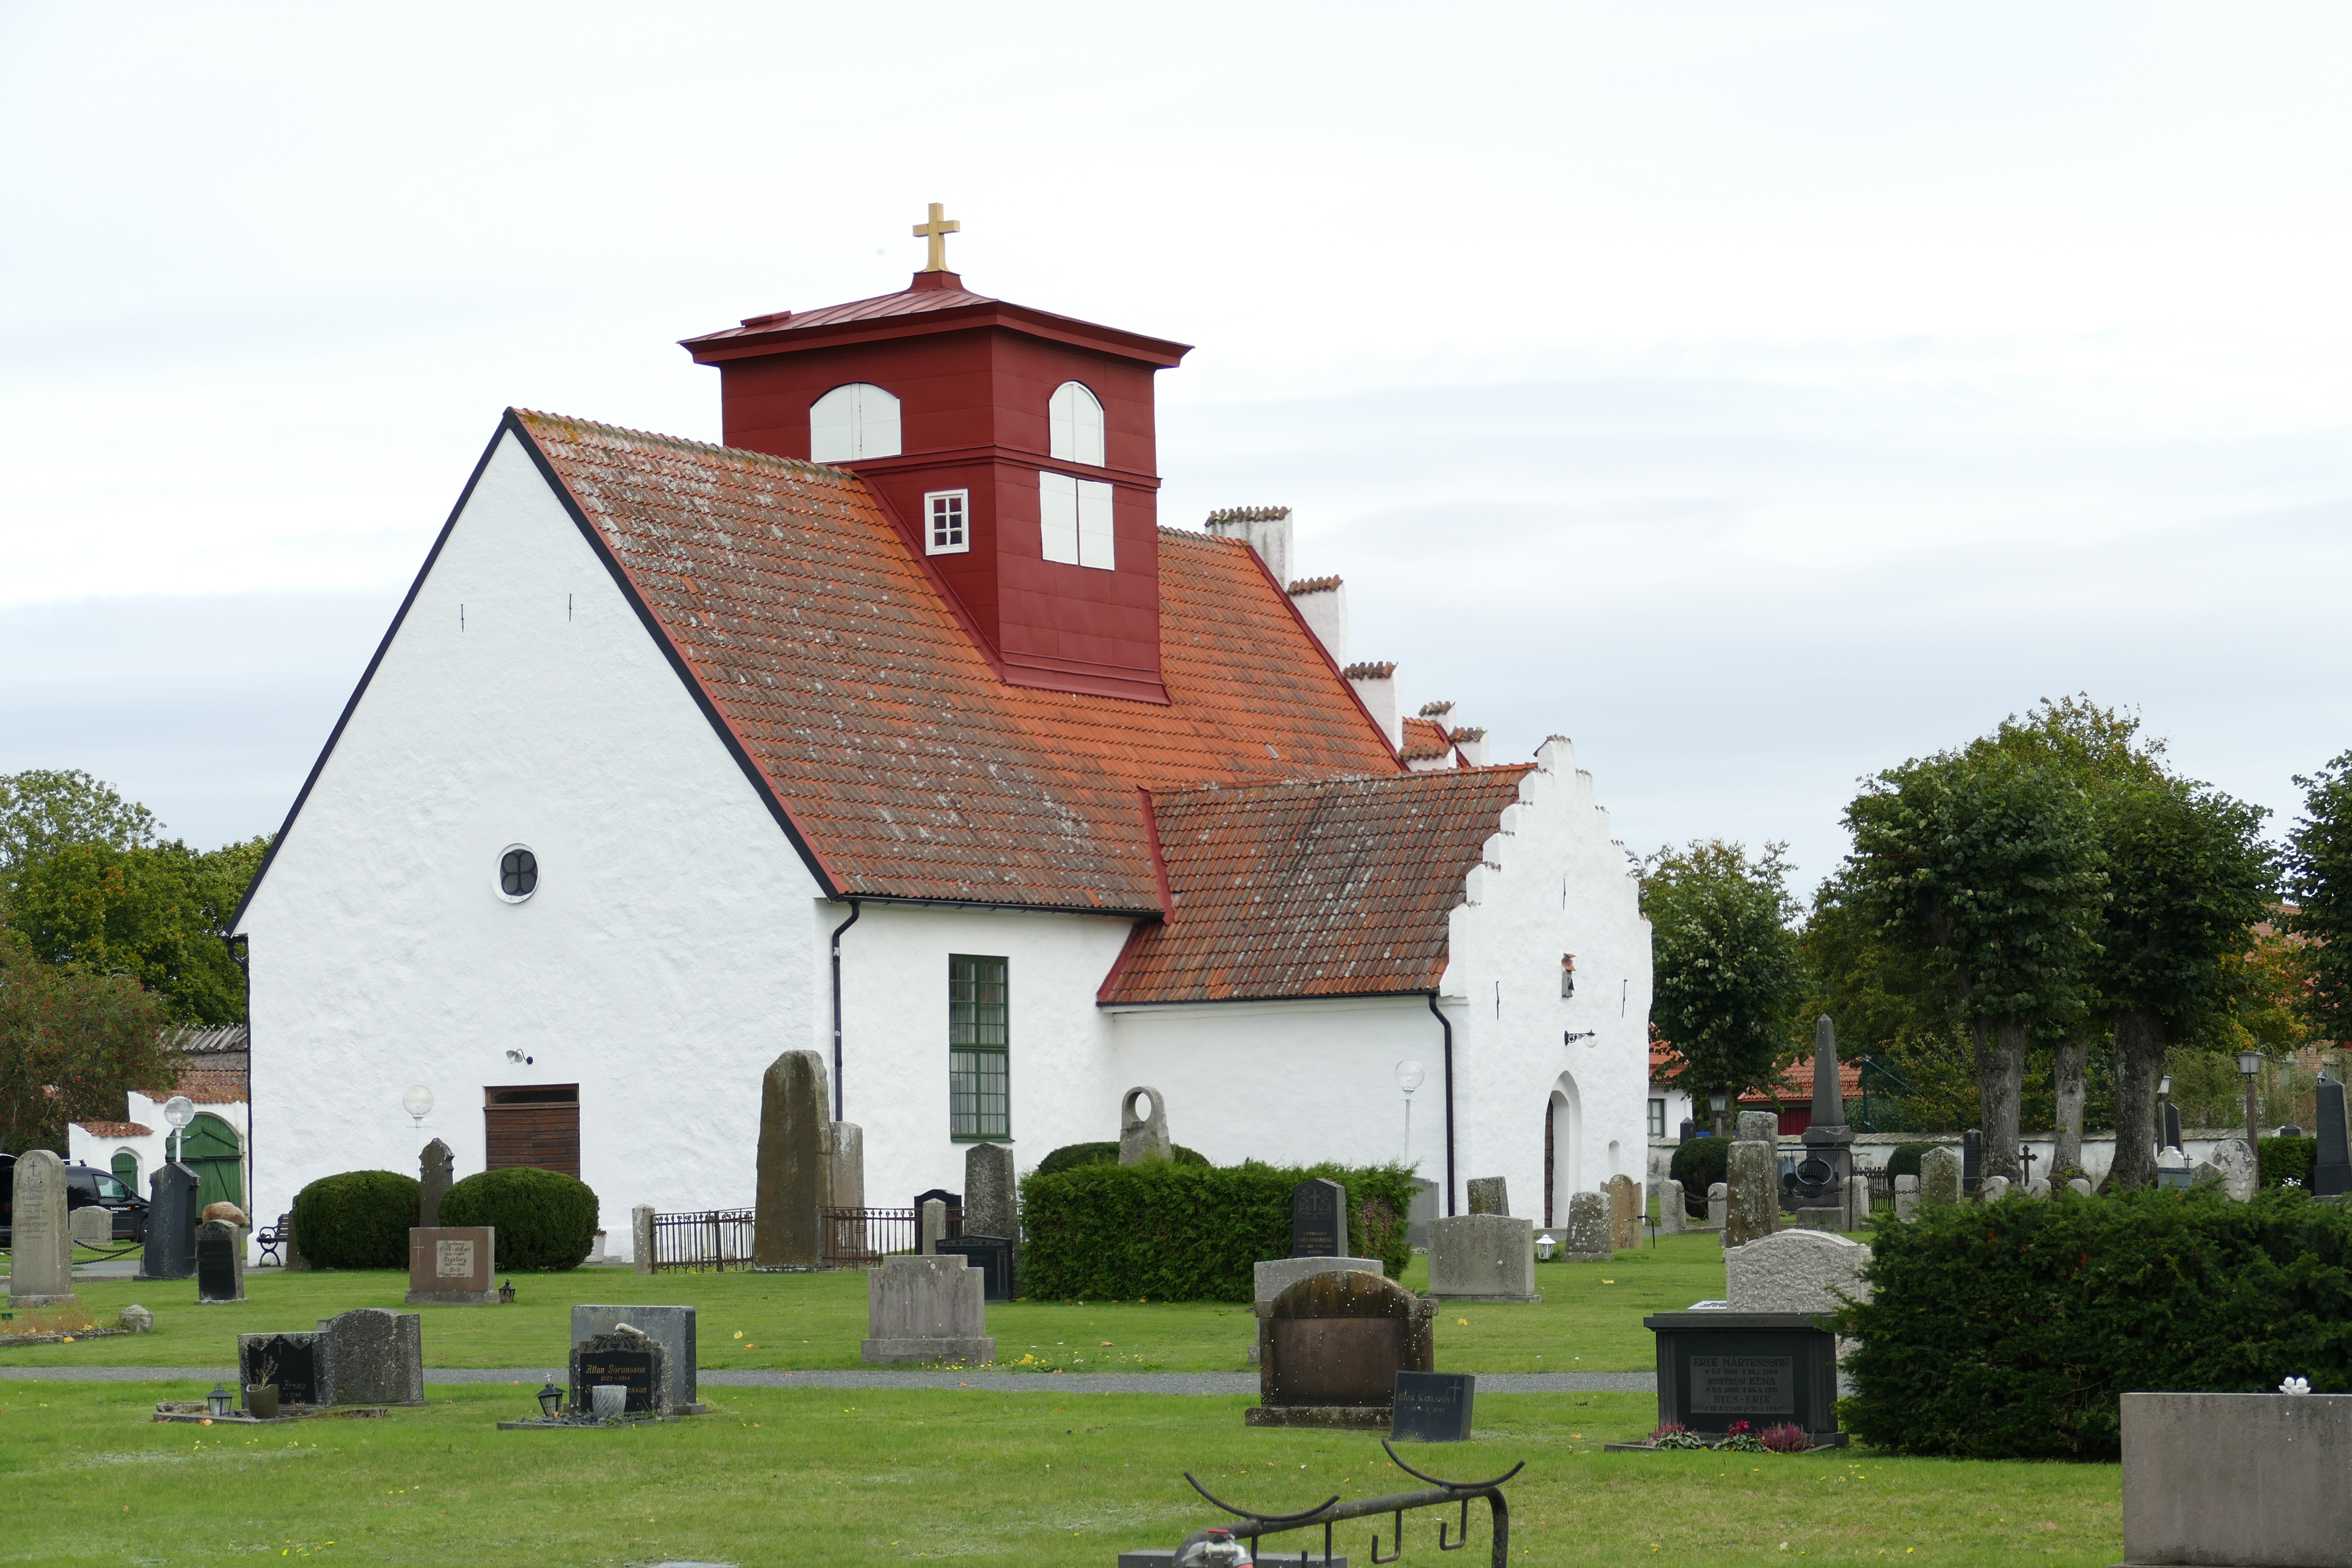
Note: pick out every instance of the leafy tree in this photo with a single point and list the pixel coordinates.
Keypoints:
(2188, 873)
(1980, 868)
(2319, 880)
(71, 1044)
(41, 809)
(157, 913)
(1728, 983)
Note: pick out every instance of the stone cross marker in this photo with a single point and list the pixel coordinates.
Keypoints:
(1489, 1195)
(40, 1264)
(1318, 1219)
(795, 1111)
(1143, 1127)
(2331, 1166)
(989, 1203)
(220, 1262)
(1624, 1212)
(435, 1167)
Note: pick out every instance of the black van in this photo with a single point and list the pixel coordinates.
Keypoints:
(84, 1186)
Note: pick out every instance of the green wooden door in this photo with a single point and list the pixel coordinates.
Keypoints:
(126, 1169)
(211, 1149)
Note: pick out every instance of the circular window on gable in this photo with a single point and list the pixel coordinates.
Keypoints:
(518, 874)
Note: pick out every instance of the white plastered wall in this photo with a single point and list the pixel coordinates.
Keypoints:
(1553, 881)
(659, 966)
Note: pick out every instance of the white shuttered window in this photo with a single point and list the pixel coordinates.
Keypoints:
(1075, 518)
(1074, 425)
(859, 420)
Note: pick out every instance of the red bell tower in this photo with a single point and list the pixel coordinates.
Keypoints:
(1014, 448)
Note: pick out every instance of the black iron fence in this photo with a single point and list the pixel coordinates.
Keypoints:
(1882, 1188)
(861, 1238)
(715, 1238)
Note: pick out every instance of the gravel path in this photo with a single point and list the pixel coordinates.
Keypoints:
(978, 1382)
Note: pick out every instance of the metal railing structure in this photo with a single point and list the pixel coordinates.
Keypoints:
(714, 1238)
(1256, 1526)
(1882, 1187)
(862, 1239)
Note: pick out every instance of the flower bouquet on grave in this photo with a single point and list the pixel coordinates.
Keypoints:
(1674, 1435)
(1740, 1440)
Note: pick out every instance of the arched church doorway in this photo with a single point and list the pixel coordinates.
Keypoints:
(212, 1148)
(1563, 1147)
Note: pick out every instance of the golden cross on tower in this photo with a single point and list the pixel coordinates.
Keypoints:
(937, 232)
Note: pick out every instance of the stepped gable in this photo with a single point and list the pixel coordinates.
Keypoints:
(1323, 888)
(910, 769)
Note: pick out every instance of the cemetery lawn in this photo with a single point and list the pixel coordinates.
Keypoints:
(795, 1475)
(1589, 1320)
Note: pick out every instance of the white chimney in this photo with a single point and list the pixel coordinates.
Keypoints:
(1323, 604)
(1265, 529)
(1376, 685)
(1472, 745)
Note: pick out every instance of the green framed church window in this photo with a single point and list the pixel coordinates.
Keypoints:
(980, 1077)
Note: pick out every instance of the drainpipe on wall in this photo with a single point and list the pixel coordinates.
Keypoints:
(1448, 1027)
(244, 966)
(854, 910)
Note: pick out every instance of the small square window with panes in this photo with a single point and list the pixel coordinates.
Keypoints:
(948, 526)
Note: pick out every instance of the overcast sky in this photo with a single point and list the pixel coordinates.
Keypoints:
(1759, 394)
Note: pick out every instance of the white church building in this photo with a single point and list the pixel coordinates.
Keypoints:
(898, 729)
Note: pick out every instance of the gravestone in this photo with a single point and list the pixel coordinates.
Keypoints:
(2205, 1173)
(1271, 1277)
(1716, 1366)
(926, 1310)
(2080, 1186)
(289, 1360)
(625, 1355)
(1993, 1189)
(1624, 1212)
(1718, 1205)
(40, 1260)
(1753, 1175)
(1143, 1127)
(930, 1227)
(1423, 1210)
(171, 1251)
(1483, 1258)
(2038, 1188)
(671, 1327)
(2171, 1125)
(1906, 1196)
(436, 1166)
(844, 1165)
(2238, 1172)
(1971, 1162)
(1434, 1407)
(2237, 1478)
(220, 1263)
(1587, 1238)
(1795, 1271)
(1674, 1218)
(1759, 1127)
(1941, 1172)
(450, 1265)
(2331, 1164)
(373, 1355)
(1318, 1219)
(990, 1199)
(1330, 1347)
(1489, 1195)
(293, 1247)
(992, 1255)
(795, 1112)
(93, 1224)
(641, 1238)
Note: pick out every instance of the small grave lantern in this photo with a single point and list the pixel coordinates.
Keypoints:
(1544, 1245)
(550, 1399)
(219, 1400)
(506, 1293)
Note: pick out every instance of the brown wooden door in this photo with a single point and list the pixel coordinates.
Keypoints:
(534, 1124)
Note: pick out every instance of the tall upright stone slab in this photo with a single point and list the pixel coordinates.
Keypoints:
(172, 1206)
(1972, 1169)
(1826, 1176)
(1489, 1195)
(436, 1169)
(220, 1262)
(793, 1193)
(2239, 1175)
(1588, 1239)
(1941, 1173)
(991, 1200)
(930, 1227)
(1143, 1127)
(1624, 1212)
(1759, 1127)
(1753, 1178)
(1718, 1205)
(1318, 1219)
(40, 1263)
(1674, 1218)
(2171, 1125)
(2331, 1166)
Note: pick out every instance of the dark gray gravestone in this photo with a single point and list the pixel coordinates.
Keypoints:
(1318, 1219)
(2331, 1166)
(1434, 1407)
(171, 1224)
(220, 1263)
(2171, 1125)
(992, 1256)
(289, 1360)
(952, 1202)
(373, 1356)
(1971, 1160)
(632, 1360)
(1330, 1347)
(436, 1166)
(1715, 1367)
(673, 1326)
(991, 1200)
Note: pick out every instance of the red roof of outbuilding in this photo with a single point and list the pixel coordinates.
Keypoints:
(1425, 739)
(1330, 887)
(833, 657)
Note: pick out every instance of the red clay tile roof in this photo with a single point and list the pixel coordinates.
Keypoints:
(1796, 1079)
(115, 1129)
(1312, 584)
(1425, 737)
(907, 766)
(1333, 888)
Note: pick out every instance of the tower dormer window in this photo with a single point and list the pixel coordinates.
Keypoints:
(1074, 425)
(1075, 517)
(947, 523)
(859, 420)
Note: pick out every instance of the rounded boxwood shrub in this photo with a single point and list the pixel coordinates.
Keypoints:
(1699, 1164)
(1070, 1156)
(359, 1219)
(545, 1219)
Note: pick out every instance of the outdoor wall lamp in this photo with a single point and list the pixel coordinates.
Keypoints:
(2164, 1087)
(219, 1400)
(550, 1399)
(2250, 1063)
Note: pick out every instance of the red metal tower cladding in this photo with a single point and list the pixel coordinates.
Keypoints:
(1014, 449)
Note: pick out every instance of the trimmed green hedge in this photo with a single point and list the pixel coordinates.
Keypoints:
(2280, 1160)
(1699, 1164)
(359, 1219)
(1175, 1232)
(1070, 1156)
(2008, 1329)
(1904, 1159)
(545, 1218)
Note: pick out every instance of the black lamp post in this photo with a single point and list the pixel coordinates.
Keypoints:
(550, 1399)
(2250, 1066)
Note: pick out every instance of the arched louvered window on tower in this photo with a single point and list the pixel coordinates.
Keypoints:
(859, 420)
(1074, 425)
